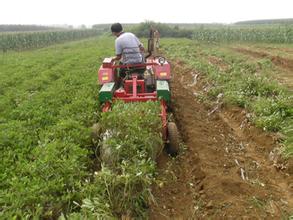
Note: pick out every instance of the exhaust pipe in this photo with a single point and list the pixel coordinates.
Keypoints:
(150, 43)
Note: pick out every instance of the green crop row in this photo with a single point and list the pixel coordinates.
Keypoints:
(48, 102)
(28, 40)
(130, 141)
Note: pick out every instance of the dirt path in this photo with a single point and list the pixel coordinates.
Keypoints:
(224, 171)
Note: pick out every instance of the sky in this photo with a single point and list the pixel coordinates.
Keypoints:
(88, 12)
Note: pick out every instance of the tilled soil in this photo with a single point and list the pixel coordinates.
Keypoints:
(285, 65)
(226, 169)
(277, 60)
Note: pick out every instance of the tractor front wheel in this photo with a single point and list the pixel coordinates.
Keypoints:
(173, 139)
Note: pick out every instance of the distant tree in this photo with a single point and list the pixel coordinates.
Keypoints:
(142, 30)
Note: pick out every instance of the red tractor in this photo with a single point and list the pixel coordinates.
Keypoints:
(148, 81)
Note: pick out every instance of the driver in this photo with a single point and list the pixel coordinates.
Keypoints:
(128, 48)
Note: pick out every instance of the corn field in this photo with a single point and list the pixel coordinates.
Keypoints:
(27, 40)
(268, 34)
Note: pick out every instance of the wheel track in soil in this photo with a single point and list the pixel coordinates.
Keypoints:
(206, 179)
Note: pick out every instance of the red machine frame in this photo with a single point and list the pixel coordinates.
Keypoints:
(130, 92)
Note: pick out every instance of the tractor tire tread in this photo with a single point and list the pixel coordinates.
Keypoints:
(173, 137)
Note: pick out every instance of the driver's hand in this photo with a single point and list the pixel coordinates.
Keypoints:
(141, 48)
(113, 59)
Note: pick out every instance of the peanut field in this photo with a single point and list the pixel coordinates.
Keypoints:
(232, 102)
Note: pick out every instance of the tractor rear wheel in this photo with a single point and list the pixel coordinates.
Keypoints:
(173, 138)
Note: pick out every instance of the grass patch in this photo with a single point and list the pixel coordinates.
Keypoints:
(257, 203)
